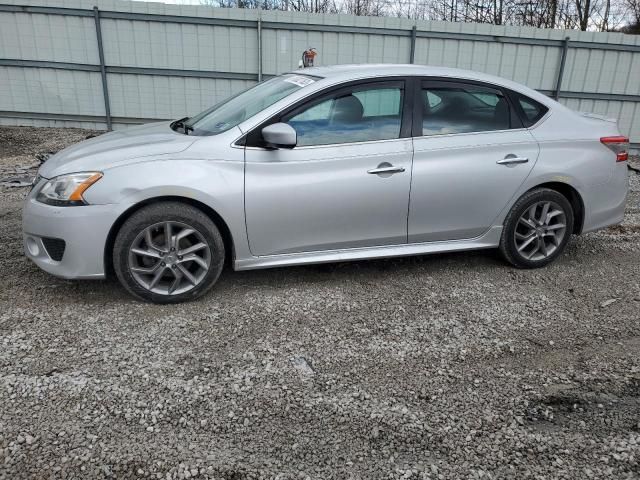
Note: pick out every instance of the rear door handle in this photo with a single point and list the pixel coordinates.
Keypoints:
(510, 160)
(385, 168)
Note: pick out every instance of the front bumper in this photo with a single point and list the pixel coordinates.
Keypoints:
(83, 229)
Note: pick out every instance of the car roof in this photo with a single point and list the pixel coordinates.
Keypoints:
(339, 73)
(379, 69)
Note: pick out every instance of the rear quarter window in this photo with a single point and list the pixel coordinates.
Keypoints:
(529, 109)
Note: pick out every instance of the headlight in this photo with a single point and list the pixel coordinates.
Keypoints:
(67, 190)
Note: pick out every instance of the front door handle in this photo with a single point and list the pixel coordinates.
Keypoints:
(512, 159)
(385, 167)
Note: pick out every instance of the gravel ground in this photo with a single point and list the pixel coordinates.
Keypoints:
(448, 367)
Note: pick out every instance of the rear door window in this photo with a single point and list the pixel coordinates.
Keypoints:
(453, 107)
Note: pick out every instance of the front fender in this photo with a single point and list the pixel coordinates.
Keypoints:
(215, 183)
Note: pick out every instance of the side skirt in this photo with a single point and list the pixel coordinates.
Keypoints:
(490, 239)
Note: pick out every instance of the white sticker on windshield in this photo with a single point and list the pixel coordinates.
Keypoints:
(299, 80)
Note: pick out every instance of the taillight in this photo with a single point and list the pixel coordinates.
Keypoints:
(619, 145)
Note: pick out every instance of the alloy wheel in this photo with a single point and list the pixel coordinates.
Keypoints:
(540, 230)
(169, 258)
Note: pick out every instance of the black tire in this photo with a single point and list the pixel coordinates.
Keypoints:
(168, 212)
(508, 246)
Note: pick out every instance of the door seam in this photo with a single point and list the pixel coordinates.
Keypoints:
(413, 152)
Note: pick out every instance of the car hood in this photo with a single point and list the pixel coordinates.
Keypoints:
(115, 148)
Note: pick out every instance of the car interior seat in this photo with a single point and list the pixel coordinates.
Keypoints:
(346, 110)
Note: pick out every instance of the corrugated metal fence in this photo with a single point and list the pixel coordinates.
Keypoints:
(111, 63)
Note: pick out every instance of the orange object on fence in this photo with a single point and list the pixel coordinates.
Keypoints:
(308, 56)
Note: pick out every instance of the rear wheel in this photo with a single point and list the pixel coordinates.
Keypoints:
(537, 229)
(168, 252)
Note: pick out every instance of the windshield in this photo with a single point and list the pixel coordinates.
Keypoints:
(235, 110)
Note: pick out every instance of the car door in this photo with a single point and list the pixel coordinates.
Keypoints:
(471, 154)
(346, 182)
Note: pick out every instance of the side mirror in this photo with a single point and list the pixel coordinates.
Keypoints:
(280, 135)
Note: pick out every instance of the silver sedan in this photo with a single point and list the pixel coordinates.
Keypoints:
(324, 165)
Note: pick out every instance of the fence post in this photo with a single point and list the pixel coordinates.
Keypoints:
(103, 70)
(412, 53)
(563, 59)
(259, 46)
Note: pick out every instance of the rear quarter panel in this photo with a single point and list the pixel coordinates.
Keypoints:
(571, 153)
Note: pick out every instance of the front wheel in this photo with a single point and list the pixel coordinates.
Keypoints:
(168, 252)
(537, 228)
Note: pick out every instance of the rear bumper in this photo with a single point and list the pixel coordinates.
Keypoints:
(83, 229)
(607, 201)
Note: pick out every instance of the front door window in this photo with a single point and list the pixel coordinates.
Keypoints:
(359, 115)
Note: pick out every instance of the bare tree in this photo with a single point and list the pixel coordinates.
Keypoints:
(632, 12)
(370, 8)
(603, 15)
(313, 6)
(583, 9)
(634, 8)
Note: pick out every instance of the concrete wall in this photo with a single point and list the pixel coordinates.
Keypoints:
(160, 67)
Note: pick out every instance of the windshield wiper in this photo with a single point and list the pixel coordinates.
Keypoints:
(182, 123)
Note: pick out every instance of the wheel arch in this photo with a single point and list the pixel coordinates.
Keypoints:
(210, 212)
(574, 198)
